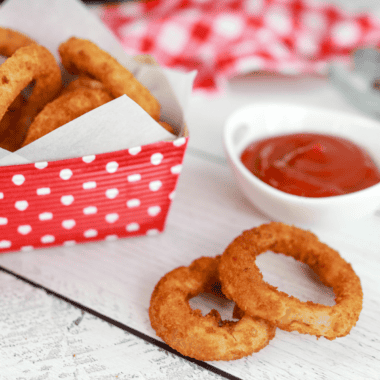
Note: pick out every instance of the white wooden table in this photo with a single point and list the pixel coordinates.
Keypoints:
(81, 312)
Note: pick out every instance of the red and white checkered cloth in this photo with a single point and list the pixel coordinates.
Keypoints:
(225, 38)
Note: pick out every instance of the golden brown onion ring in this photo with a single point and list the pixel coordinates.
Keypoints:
(243, 282)
(81, 56)
(64, 109)
(12, 40)
(190, 333)
(10, 137)
(84, 82)
(32, 63)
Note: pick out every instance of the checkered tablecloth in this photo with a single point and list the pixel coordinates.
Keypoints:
(225, 38)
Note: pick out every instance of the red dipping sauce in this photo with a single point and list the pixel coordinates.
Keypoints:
(311, 165)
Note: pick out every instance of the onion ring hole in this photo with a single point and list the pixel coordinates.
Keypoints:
(294, 278)
(205, 302)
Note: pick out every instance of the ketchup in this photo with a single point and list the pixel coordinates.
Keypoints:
(311, 165)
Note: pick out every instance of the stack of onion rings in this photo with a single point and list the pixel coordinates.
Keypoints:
(187, 331)
(101, 79)
(208, 338)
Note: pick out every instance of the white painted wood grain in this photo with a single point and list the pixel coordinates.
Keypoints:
(117, 278)
(43, 337)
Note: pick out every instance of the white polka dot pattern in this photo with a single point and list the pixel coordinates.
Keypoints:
(155, 185)
(88, 159)
(90, 233)
(68, 224)
(89, 185)
(47, 239)
(43, 191)
(154, 210)
(156, 158)
(134, 177)
(176, 169)
(27, 248)
(103, 197)
(24, 230)
(18, 179)
(21, 205)
(133, 203)
(45, 216)
(69, 243)
(65, 174)
(67, 200)
(112, 193)
(111, 167)
(112, 218)
(152, 232)
(131, 227)
(135, 150)
(90, 210)
(41, 165)
(5, 244)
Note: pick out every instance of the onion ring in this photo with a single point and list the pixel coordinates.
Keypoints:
(12, 40)
(243, 282)
(29, 63)
(64, 109)
(167, 126)
(84, 57)
(84, 82)
(11, 135)
(190, 333)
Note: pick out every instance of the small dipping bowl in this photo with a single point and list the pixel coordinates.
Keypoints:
(264, 120)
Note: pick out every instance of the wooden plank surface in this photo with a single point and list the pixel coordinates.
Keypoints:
(116, 278)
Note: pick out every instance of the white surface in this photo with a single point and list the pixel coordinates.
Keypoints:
(262, 120)
(39, 334)
(117, 278)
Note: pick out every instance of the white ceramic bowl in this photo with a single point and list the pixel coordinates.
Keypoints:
(269, 119)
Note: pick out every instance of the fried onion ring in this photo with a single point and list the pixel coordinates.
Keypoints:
(167, 126)
(11, 135)
(12, 40)
(243, 282)
(190, 333)
(81, 56)
(64, 109)
(84, 82)
(32, 63)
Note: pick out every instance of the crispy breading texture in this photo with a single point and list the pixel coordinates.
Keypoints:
(64, 109)
(10, 132)
(190, 333)
(32, 63)
(243, 282)
(12, 40)
(80, 56)
(84, 81)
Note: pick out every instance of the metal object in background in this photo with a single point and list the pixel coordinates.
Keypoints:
(360, 86)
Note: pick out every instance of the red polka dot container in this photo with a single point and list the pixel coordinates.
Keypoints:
(97, 197)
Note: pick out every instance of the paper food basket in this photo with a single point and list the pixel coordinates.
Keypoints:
(90, 194)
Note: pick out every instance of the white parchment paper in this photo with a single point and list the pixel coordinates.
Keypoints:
(119, 124)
